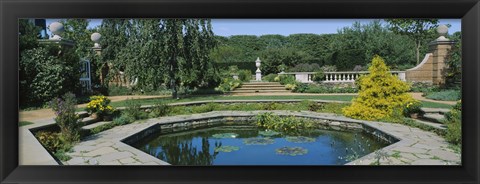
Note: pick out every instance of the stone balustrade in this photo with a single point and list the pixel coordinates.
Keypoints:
(337, 77)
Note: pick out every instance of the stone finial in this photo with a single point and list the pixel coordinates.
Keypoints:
(442, 30)
(257, 62)
(96, 37)
(258, 73)
(57, 29)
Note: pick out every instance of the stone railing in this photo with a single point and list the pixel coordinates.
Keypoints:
(337, 77)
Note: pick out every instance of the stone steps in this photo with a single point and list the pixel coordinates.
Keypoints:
(259, 91)
(434, 110)
(260, 87)
(261, 83)
(435, 125)
(89, 120)
(433, 117)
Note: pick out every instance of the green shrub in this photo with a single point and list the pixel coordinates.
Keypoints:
(228, 84)
(245, 75)
(290, 124)
(66, 118)
(313, 106)
(159, 109)
(319, 76)
(290, 86)
(287, 79)
(55, 144)
(47, 72)
(300, 88)
(445, 95)
(50, 140)
(324, 88)
(204, 108)
(380, 94)
(133, 109)
(453, 120)
(271, 106)
(123, 120)
(423, 87)
(269, 77)
(335, 108)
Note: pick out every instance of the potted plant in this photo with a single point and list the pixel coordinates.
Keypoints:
(99, 107)
(413, 109)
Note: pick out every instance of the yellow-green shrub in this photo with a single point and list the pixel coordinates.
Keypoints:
(380, 94)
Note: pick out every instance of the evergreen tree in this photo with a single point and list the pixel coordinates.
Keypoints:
(380, 94)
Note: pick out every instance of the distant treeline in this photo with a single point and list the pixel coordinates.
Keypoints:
(351, 46)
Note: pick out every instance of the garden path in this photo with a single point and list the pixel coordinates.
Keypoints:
(48, 113)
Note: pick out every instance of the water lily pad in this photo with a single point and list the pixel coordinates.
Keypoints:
(299, 139)
(226, 149)
(292, 151)
(258, 141)
(268, 133)
(225, 135)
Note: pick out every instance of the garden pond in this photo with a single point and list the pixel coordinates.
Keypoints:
(251, 145)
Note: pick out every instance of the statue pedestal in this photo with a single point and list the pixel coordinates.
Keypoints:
(258, 75)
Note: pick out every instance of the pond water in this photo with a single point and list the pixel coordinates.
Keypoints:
(250, 145)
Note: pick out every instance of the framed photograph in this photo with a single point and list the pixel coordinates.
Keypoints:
(239, 91)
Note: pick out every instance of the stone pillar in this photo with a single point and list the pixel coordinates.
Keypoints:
(258, 73)
(96, 37)
(440, 51)
(57, 30)
(440, 48)
(432, 68)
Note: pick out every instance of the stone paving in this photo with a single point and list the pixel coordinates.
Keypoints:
(415, 146)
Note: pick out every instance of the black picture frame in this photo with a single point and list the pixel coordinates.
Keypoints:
(11, 11)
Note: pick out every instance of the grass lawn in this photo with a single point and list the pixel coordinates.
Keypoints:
(436, 105)
(24, 123)
(153, 101)
(221, 97)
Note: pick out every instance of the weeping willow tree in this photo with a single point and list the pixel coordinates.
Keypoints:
(156, 52)
(115, 36)
(188, 43)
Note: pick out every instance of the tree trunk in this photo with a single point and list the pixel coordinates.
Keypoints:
(173, 84)
(418, 53)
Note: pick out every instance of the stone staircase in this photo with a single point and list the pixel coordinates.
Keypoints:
(260, 87)
(433, 117)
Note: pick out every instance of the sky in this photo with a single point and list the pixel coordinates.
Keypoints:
(228, 27)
